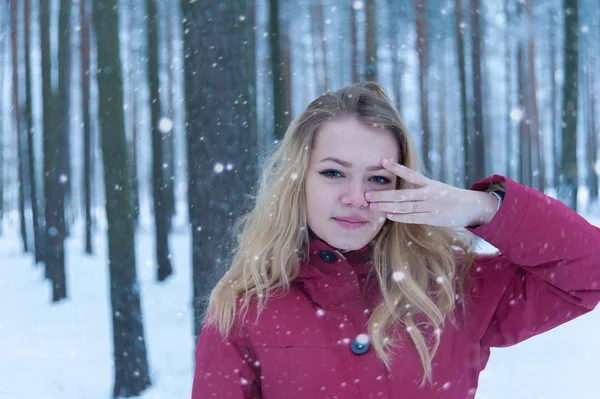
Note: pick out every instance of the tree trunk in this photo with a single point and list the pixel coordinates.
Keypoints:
(53, 153)
(476, 40)
(422, 45)
(371, 42)
(17, 115)
(468, 159)
(280, 113)
(159, 192)
(508, 82)
(30, 143)
(133, 82)
(129, 353)
(534, 115)
(287, 74)
(354, 32)
(443, 172)
(21, 176)
(592, 144)
(87, 132)
(324, 48)
(555, 132)
(96, 163)
(398, 71)
(170, 142)
(64, 84)
(318, 36)
(221, 107)
(522, 136)
(524, 133)
(567, 191)
(2, 133)
(394, 33)
(135, 114)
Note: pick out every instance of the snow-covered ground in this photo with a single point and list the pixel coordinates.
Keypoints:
(64, 350)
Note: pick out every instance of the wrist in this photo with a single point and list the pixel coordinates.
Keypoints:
(486, 204)
(498, 194)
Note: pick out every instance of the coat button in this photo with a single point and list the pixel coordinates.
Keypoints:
(359, 347)
(361, 344)
(328, 256)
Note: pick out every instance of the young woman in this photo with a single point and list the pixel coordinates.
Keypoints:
(354, 276)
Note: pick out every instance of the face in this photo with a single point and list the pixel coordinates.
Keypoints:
(344, 164)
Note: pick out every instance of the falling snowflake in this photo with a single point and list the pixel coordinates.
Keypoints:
(218, 168)
(398, 276)
(362, 339)
(357, 5)
(516, 114)
(165, 125)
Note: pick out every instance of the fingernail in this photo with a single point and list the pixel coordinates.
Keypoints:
(374, 206)
(369, 196)
(387, 161)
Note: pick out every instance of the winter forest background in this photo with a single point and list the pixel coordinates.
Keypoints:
(130, 133)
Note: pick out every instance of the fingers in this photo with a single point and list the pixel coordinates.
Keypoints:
(405, 173)
(395, 195)
(400, 207)
(410, 218)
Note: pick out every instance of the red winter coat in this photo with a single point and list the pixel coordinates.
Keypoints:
(547, 273)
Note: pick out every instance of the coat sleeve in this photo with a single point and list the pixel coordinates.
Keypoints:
(225, 368)
(547, 272)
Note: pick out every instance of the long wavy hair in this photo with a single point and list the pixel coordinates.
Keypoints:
(272, 239)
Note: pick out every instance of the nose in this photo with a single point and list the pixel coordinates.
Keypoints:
(354, 195)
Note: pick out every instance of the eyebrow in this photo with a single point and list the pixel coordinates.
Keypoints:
(349, 165)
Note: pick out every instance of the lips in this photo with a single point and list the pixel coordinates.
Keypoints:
(351, 222)
(351, 219)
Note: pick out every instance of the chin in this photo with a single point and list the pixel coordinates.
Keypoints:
(349, 244)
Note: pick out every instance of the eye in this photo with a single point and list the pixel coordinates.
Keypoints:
(331, 173)
(380, 180)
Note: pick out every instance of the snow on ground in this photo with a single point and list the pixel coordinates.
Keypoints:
(64, 350)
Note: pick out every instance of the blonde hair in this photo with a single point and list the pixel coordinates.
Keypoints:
(273, 237)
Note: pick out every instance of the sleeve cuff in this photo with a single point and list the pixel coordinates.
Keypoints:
(509, 217)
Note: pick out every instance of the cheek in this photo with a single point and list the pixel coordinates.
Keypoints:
(310, 187)
(318, 189)
(313, 198)
(321, 200)
(379, 219)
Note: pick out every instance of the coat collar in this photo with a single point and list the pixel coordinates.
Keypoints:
(315, 267)
(331, 279)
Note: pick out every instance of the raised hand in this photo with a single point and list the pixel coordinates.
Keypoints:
(432, 202)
